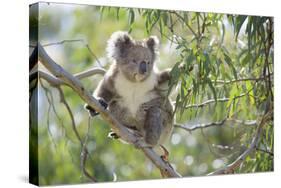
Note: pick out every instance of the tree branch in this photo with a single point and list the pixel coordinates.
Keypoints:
(118, 128)
(265, 151)
(33, 58)
(56, 81)
(212, 101)
(200, 126)
(84, 154)
(182, 18)
(242, 79)
(62, 42)
(218, 123)
(76, 40)
(90, 72)
(231, 167)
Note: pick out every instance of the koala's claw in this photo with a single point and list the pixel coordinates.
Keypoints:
(113, 135)
(103, 103)
(165, 156)
(92, 111)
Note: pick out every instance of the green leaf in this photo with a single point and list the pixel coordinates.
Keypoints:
(164, 17)
(117, 13)
(246, 59)
(238, 24)
(223, 33)
(251, 93)
(177, 103)
(249, 31)
(232, 95)
(209, 81)
(131, 19)
(175, 74)
(230, 64)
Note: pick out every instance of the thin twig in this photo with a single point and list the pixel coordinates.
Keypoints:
(223, 147)
(189, 27)
(50, 102)
(62, 42)
(241, 80)
(76, 40)
(199, 126)
(212, 101)
(231, 167)
(265, 151)
(198, 26)
(84, 154)
(213, 124)
(267, 50)
(216, 154)
(73, 124)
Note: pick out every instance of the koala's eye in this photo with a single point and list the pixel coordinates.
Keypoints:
(148, 62)
(134, 61)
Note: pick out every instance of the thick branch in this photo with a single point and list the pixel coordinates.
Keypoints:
(118, 128)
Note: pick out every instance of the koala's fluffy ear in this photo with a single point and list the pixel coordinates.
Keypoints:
(118, 43)
(152, 43)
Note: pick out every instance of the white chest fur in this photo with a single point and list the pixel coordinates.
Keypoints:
(134, 94)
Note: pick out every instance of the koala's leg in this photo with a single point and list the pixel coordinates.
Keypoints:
(153, 125)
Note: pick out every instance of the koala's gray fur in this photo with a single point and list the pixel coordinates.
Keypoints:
(131, 87)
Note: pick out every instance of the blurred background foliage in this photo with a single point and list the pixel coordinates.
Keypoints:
(225, 59)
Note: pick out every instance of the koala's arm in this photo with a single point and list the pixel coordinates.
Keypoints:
(103, 93)
(105, 90)
(164, 76)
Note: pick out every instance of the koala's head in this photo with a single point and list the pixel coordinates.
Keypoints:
(135, 59)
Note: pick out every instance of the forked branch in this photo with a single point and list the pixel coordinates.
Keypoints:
(74, 83)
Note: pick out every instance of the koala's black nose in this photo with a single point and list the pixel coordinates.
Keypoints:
(142, 68)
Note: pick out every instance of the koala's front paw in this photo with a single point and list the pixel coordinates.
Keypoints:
(112, 135)
(103, 103)
(183, 67)
(92, 111)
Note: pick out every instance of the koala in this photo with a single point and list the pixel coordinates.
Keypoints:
(131, 88)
